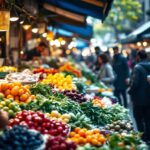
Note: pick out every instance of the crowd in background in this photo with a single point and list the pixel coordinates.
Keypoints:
(128, 77)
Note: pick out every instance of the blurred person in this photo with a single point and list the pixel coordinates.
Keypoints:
(34, 53)
(106, 74)
(96, 66)
(140, 94)
(121, 71)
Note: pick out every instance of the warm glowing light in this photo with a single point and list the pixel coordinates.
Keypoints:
(139, 44)
(63, 42)
(145, 43)
(35, 30)
(68, 51)
(44, 35)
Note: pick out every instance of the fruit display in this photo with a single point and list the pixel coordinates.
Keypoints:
(45, 71)
(16, 91)
(19, 137)
(10, 107)
(39, 122)
(59, 81)
(58, 113)
(59, 143)
(55, 115)
(82, 136)
(69, 68)
(8, 69)
(120, 126)
(76, 96)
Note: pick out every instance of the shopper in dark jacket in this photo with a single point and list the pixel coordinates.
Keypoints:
(121, 71)
(140, 94)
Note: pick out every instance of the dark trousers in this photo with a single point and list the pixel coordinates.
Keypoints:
(118, 94)
(142, 118)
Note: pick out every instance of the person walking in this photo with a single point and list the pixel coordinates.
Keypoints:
(121, 70)
(106, 74)
(139, 91)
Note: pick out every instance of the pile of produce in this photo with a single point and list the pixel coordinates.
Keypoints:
(120, 126)
(19, 137)
(39, 122)
(59, 143)
(59, 81)
(8, 69)
(45, 71)
(10, 107)
(76, 96)
(55, 115)
(70, 69)
(16, 91)
(102, 116)
(58, 113)
(83, 136)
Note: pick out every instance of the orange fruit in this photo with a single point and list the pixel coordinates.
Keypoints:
(76, 136)
(24, 97)
(21, 91)
(16, 97)
(82, 133)
(88, 133)
(94, 142)
(7, 92)
(15, 90)
(96, 131)
(89, 139)
(72, 134)
(81, 140)
(77, 129)
(10, 96)
(102, 139)
(10, 85)
(4, 86)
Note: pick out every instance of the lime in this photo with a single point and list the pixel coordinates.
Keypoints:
(3, 103)
(5, 108)
(7, 102)
(11, 113)
(16, 108)
(11, 105)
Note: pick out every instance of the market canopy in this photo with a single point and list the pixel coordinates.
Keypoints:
(85, 32)
(78, 9)
(138, 34)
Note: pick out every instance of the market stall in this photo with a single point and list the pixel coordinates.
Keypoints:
(63, 109)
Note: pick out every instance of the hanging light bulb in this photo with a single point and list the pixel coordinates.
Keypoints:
(35, 28)
(21, 19)
(13, 14)
(26, 24)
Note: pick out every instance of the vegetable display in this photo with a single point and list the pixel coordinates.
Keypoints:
(63, 112)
